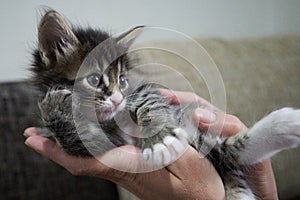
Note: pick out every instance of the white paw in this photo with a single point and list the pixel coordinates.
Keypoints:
(163, 154)
(287, 125)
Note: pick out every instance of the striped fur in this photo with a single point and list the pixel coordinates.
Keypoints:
(164, 130)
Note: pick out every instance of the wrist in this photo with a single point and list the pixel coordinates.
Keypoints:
(261, 179)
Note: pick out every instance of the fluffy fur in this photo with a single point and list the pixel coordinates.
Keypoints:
(164, 130)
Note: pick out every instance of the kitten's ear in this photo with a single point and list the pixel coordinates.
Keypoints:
(126, 39)
(56, 38)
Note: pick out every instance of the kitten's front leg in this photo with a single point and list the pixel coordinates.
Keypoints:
(77, 136)
(56, 106)
(56, 113)
(162, 138)
(164, 147)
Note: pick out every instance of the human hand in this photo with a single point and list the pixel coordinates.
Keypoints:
(260, 175)
(189, 177)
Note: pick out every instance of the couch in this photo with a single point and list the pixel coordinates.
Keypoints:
(259, 75)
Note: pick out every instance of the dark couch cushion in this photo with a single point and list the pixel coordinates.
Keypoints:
(24, 173)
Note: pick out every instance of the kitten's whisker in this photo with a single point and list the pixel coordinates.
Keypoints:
(95, 102)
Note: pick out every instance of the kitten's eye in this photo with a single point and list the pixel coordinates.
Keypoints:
(122, 81)
(93, 80)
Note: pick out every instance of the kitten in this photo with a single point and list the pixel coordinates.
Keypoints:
(102, 87)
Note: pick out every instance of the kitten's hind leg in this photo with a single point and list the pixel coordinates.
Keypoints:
(277, 131)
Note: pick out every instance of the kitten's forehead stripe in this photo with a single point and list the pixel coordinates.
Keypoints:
(105, 65)
(119, 67)
(114, 75)
(98, 66)
(106, 80)
(117, 73)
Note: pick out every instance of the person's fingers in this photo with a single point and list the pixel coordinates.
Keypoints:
(30, 132)
(112, 165)
(126, 158)
(142, 184)
(117, 157)
(178, 97)
(49, 149)
(215, 122)
(46, 147)
(218, 122)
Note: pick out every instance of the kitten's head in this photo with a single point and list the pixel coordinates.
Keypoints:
(60, 55)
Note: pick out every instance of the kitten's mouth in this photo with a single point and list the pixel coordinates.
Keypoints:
(107, 113)
(110, 110)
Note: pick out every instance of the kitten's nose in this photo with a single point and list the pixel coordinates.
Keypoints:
(116, 98)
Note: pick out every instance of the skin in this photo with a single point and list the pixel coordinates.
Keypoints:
(189, 177)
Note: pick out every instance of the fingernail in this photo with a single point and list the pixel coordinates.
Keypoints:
(205, 116)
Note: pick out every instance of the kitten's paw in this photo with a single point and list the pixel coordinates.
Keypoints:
(54, 97)
(45, 132)
(286, 125)
(277, 131)
(56, 103)
(167, 151)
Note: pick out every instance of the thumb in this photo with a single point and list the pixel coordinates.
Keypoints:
(218, 123)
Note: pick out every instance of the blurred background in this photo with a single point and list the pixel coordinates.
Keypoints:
(254, 43)
(204, 18)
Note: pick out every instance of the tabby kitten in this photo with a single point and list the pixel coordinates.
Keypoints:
(102, 88)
